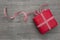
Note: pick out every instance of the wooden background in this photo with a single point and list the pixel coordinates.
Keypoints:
(17, 29)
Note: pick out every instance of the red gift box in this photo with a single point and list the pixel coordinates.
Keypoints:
(45, 21)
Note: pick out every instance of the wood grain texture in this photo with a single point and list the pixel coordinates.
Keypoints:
(17, 29)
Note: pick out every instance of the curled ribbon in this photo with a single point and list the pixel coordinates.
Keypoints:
(36, 12)
(15, 15)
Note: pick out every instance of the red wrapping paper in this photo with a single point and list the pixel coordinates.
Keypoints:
(47, 17)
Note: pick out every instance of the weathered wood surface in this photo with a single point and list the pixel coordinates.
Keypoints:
(18, 30)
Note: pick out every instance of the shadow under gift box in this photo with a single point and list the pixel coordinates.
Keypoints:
(45, 21)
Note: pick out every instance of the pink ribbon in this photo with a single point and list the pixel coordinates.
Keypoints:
(36, 12)
(15, 15)
(5, 12)
(45, 21)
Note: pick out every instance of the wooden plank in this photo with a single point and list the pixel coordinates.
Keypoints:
(18, 30)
